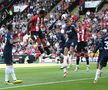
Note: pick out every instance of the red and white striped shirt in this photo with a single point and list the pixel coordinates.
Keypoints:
(81, 34)
(37, 23)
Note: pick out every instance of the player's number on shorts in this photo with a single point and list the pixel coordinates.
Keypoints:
(106, 45)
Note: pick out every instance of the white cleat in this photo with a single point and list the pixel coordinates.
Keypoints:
(65, 74)
(76, 69)
(95, 81)
(87, 69)
(8, 83)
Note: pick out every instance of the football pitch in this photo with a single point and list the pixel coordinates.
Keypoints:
(50, 77)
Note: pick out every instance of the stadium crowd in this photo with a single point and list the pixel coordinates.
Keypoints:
(94, 22)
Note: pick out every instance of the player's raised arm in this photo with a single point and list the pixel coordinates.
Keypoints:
(28, 25)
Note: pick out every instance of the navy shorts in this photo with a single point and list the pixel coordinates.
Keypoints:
(37, 34)
(103, 60)
(99, 57)
(82, 46)
(8, 58)
(71, 43)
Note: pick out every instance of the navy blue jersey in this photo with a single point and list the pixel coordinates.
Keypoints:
(61, 38)
(98, 45)
(8, 46)
(71, 33)
(103, 57)
(103, 45)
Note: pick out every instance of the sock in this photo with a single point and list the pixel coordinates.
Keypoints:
(77, 61)
(70, 60)
(64, 61)
(47, 50)
(64, 70)
(7, 71)
(41, 49)
(13, 74)
(87, 66)
(77, 66)
(97, 74)
(87, 60)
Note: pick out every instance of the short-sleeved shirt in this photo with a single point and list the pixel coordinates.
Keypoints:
(8, 46)
(71, 33)
(8, 49)
(37, 23)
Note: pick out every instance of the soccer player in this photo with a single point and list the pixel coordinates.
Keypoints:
(61, 41)
(71, 41)
(8, 56)
(96, 47)
(81, 48)
(103, 57)
(36, 26)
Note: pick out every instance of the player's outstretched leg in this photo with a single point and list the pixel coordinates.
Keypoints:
(77, 63)
(87, 61)
(64, 65)
(98, 71)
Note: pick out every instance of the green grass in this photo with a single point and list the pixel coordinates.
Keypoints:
(51, 78)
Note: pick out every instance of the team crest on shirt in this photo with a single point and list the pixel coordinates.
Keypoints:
(11, 36)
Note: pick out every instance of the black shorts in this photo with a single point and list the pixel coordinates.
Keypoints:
(37, 34)
(8, 58)
(99, 57)
(103, 60)
(61, 49)
(82, 46)
(71, 43)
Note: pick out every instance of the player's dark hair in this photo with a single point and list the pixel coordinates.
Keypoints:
(42, 12)
(9, 27)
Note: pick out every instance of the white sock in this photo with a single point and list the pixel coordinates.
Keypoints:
(13, 73)
(70, 60)
(64, 70)
(64, 61)
(7, 71)
(77, 66)
(88, 66)
(97, 74)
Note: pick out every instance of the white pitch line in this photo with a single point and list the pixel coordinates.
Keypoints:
(37, 84)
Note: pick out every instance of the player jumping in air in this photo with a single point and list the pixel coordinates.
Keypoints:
(37, 28)
(71, 41)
